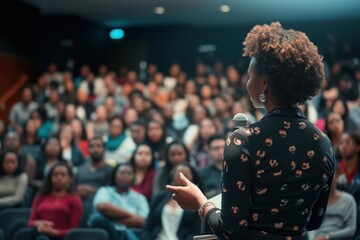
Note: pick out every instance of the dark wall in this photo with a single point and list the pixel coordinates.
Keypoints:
(18, 50)
(165, 45)
(71, 41)
(19, 29)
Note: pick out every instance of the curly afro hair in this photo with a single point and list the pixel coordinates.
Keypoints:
(288, 59)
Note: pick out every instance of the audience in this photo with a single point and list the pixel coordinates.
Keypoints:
(159, 112)
(118, 208)
(176, 153)
(21, 110)
(143, 161)
(69, 151)
(349, 165)
(13, 180)
(340, 217)
(92, 175)
(167, 220)
(211, 174)
(119, 147)
(55, 210)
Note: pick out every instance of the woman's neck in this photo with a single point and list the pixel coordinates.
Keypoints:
(122, 190)
(58, 193)
(351, 163)
(271, 105)
(141, 170)
(30, 139)
(100, 120)
(65, 144)
(140, 175)
(51, 159)
(334, 196)
(335, 139)
(77, 139)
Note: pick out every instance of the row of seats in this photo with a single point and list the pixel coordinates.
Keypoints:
(14, 220)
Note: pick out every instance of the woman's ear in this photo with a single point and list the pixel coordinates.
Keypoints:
(264, 81)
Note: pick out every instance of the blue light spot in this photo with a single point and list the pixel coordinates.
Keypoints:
(117, 34)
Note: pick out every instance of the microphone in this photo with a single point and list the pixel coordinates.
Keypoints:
(240, 120)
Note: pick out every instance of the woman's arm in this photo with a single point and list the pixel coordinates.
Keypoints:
(233, 220)
(34, 212)
(18, 196)
(111, 211)
(76, 210)
(157, 182)
(319, 208)
(30, 169)
(349, 226)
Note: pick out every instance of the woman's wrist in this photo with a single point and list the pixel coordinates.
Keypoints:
(205, 208)
(202, 201)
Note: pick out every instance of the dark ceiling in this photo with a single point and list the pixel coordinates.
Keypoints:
(128, 13)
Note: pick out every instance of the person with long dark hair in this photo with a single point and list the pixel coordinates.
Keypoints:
(277, 172)
(143, 161)
(13, 180)
(175, 153)
(166, 219)
(349, 165)
(56, 210)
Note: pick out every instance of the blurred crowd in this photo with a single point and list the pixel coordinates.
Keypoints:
(105, 144)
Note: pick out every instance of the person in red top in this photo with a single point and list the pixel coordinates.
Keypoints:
(349, 148)
(56, 210)
(144, 163)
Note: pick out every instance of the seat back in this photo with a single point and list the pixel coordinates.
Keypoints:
(87, 234)
(11, 219)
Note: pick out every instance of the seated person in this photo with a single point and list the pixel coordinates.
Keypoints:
(340, 217)
(210, 175)
(92, 175)
(167, 220)
(119, 208)
(56, 210)
(144, 163)
(349, 169)
(13, 180)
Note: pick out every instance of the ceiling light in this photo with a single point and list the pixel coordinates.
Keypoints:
(224, 8)
(159, 10)
(117, 34)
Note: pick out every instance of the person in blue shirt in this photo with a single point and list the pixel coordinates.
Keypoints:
(118, 208)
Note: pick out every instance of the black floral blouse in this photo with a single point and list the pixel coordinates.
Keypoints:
(276, 179)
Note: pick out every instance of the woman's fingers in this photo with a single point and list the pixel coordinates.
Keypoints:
(171, 188)
(184, 180)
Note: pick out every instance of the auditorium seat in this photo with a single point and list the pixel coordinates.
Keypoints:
(87, 234)
(12, 219)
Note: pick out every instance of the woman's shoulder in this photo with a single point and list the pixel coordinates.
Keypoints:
(107, 188)
(151, 173)
(73, 198)
(137, 195)
(22, 176)
(346, 197)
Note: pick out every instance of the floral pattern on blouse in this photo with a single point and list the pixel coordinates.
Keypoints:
(276, 179)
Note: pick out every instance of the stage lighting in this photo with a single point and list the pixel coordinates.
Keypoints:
(117, 34)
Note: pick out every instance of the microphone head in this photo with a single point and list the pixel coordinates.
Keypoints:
(240, 120)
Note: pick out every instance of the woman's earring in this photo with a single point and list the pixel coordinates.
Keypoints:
(262, 97)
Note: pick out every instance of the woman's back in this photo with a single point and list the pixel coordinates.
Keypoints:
(286, 155)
